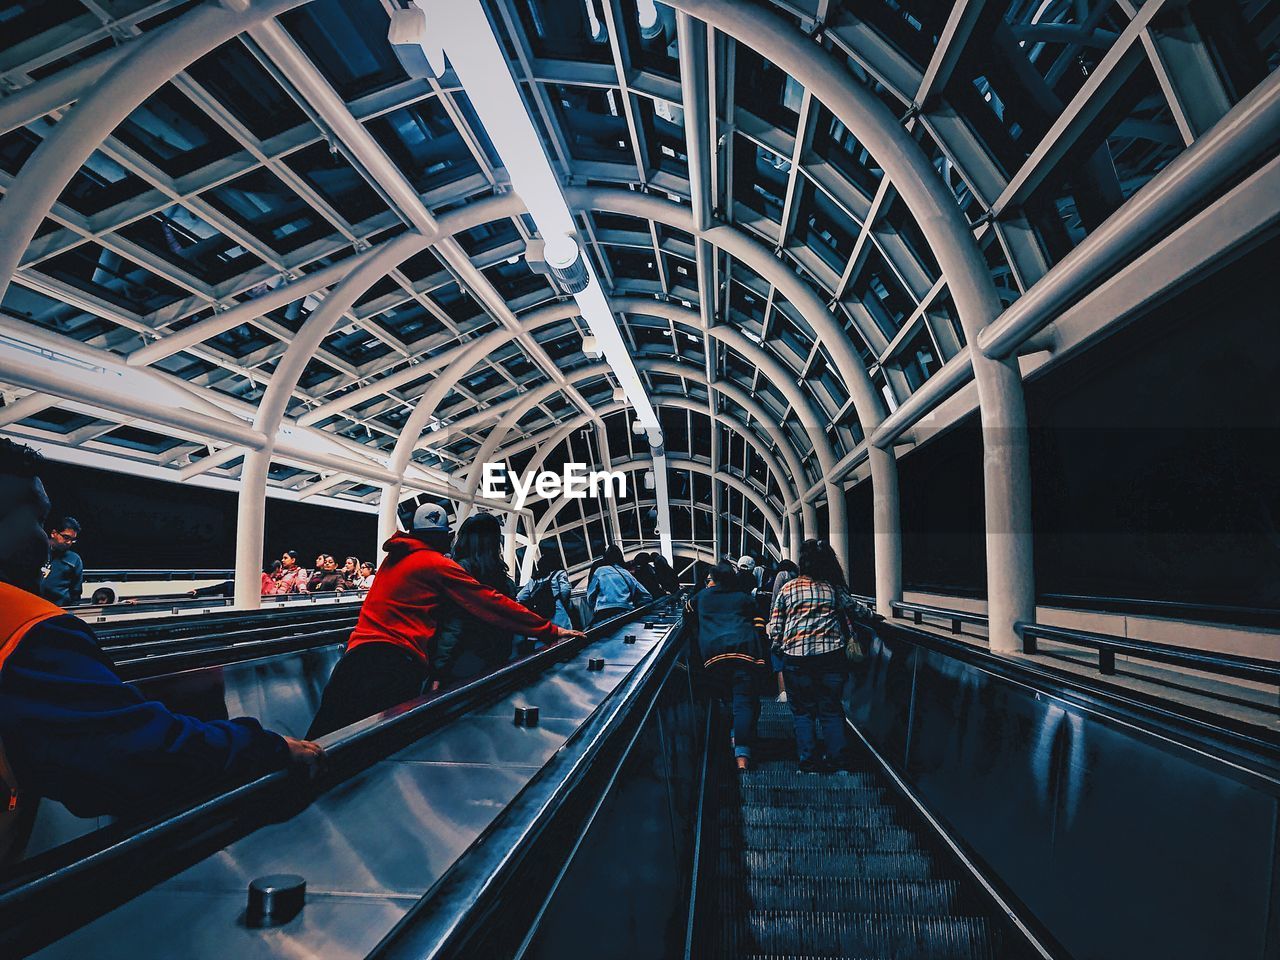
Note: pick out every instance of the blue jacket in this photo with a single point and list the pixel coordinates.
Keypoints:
(75, 732)
(561, 589)
(613, 588)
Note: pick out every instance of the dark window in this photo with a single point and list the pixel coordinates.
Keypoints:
(171, 132)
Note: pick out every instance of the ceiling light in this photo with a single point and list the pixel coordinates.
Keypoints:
(477, 58)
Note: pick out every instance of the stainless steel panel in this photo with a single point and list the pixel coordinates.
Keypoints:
(490, 739)
(391, 830)
(177, 925)
(1124, 843)
(369, 847)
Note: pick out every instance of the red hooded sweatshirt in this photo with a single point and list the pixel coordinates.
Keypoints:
(413, 581)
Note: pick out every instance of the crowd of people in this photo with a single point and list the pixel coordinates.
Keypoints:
(807, 629)
(287, 575)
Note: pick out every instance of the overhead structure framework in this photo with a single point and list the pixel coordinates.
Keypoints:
(821, 231)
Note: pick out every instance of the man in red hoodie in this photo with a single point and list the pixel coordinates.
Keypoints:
(387, 657)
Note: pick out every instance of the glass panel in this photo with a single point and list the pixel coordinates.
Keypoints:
(347, 41)
(329, 174)
(108, 275)
(766, 90)
(273, 213)
(566, 29)
(425, 144)
(651, 36)
(826, 229)
(180, 237)
(247, 91)
(833, 142)
(593, 122)
(171, 132)
(760, 178)
(1132, 140)
(99, 184)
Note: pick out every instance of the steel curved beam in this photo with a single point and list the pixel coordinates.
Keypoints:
(1006, 463)
(153, 60)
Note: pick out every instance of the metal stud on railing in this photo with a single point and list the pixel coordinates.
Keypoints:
(526, 717)
(275, 899)
(595, 663)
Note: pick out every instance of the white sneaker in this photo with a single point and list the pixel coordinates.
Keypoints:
(782, 697)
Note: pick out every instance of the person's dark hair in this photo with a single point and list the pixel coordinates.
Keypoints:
(725, 575)
(548, 564)
(612, 557)
(366, 565)
(19, 460)
(788, 566)
(819, 562)
(478, 549)
(352, 560)
(642, 558)
(272, 567)
(65, 523)
(293, 554)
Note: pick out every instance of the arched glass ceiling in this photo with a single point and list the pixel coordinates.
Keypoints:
(203, 232)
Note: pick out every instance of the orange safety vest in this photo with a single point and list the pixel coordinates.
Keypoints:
(19, 612)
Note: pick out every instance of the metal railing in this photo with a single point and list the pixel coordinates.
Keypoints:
(1108, 646)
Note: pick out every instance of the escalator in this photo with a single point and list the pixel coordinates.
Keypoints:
(994, 812)
(826, 865)
(401, 795)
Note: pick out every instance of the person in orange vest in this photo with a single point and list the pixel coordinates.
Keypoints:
(70, 729)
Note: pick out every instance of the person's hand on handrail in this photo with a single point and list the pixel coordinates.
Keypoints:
(306, 755)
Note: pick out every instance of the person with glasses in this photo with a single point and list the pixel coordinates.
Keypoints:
(63, 580)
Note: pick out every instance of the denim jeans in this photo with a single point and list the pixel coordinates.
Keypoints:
(744, 704)
(815, 692)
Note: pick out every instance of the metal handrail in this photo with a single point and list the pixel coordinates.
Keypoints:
(456, 906)
(125, 576)
(1107, 645)
(919, 611)
(79, 880)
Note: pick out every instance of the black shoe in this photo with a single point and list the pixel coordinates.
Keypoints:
(810, 766)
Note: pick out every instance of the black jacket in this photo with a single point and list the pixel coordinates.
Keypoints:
(730, 632)
(64, 584)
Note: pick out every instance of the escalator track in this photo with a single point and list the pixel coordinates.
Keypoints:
(830, 865)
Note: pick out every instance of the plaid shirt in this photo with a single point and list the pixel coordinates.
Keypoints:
(803, 622)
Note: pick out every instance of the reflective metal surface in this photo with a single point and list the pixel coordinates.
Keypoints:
(370, 847)
(283, 692)
(1123, 839)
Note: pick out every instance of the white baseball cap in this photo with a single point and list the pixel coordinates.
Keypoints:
(430, 516)
(746, 562)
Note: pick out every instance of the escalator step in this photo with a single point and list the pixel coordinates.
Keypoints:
(808, 791)
(790, 815)
(868, 864)
(820, 837)
(845, 894)
(785, 774)
(852, 934)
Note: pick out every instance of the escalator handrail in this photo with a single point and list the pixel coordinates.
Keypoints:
(1252, 749)
(119, 635)
(1207, 661)
(153, 666)
(214, 640)
(348, 750)
(463, 898)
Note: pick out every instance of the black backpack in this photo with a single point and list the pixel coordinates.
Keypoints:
(543, 599)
